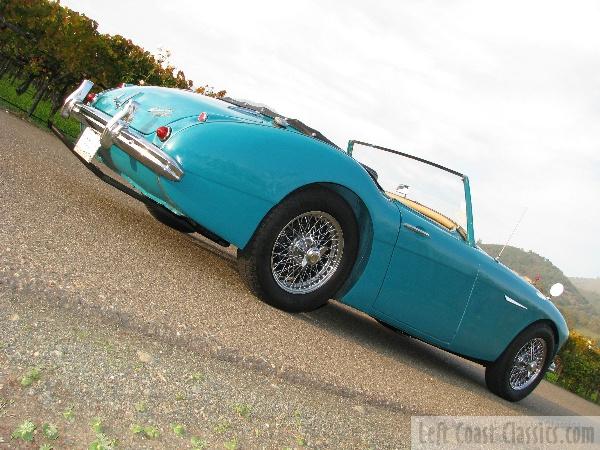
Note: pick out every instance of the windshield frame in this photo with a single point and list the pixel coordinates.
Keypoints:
(463, 177)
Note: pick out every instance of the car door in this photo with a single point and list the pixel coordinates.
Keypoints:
(429, 280)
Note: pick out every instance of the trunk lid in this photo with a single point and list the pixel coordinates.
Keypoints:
(165, 106)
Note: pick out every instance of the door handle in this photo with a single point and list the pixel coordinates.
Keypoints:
(417, 230)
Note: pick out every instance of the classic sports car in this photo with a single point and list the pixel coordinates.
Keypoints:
(387, 233)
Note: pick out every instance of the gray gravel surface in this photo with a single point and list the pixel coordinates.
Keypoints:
(118, 309)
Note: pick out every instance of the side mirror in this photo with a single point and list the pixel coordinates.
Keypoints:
(557, 289)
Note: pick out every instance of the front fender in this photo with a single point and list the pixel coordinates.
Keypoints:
(491, 321)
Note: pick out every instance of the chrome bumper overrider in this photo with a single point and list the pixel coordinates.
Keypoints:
(115, 131)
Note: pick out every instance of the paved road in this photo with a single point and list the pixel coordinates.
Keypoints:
(71, 243)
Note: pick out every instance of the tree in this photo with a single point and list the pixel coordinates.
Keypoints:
(51, 47)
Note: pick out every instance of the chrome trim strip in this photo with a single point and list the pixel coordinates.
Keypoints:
(417, 230)
(514, 302)
(115, 131)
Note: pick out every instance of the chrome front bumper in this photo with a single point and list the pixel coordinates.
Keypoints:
(115, 131)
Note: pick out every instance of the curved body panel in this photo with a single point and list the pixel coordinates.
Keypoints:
(502, 304)
(236, 172)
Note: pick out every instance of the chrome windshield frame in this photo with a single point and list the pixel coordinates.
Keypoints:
(463, 177)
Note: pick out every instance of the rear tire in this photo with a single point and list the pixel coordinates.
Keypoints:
(521, 367)
(302, 252)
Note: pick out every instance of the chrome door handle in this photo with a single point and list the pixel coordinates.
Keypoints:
(417, 230)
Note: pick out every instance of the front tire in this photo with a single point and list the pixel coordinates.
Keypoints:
(302, 251)
(521, 367)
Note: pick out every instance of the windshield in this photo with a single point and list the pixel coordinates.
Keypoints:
(431, 190)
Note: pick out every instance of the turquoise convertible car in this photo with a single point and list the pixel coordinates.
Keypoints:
(387, 233)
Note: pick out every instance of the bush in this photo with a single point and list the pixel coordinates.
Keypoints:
(579, 367)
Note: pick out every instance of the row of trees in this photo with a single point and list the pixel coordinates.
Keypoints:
(52, 48)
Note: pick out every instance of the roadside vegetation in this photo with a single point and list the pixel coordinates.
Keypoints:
(578, 362)
(46, 49)
(578, 367)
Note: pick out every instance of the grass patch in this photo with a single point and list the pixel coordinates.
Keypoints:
(222, 426)
(50, 431)
(96, 425)
(178, 429)
(141, 407)
(197, 377)
(198, 443)
(31, 377)
(242, 409)
(103, 442)
(231, 444)
(24, 431)
(68, 414)
(148, 431)
(21, 103)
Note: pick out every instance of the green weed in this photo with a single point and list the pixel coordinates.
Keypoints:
(231, 444)
(178, 429)
(198, 443)
(68, 414)
(50, 431)
(242, 409)
(24, 431)
(31, 376)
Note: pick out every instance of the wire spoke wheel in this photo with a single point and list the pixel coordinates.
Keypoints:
(307, 252)
(528, 363)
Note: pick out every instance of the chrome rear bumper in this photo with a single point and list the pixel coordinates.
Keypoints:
(115, 131)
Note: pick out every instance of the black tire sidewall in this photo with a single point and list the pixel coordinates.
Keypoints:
(311, 200)
(497, 374)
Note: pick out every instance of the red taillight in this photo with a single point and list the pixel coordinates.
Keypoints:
(120, 85)
(163, 133)
(90, 98)
(202, 117)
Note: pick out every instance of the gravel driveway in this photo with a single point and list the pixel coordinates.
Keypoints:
(140, 330)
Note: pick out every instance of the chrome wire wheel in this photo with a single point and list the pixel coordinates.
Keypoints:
(307, 252)
(528, 363)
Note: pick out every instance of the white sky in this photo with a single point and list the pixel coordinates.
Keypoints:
(507, 92)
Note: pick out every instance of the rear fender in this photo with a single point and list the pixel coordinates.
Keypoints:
(235, 173)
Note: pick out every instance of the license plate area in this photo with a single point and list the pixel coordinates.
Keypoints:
(88, 144)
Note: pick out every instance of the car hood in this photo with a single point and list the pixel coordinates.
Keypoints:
(160, 106)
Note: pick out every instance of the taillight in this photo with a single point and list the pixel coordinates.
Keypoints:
(90, 98)
(202, 117)
(120, 85)
(163, 133)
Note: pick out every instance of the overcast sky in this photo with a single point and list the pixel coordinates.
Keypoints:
(507, 92)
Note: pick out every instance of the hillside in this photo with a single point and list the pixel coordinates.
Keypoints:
(581, 307)
(589, 288)
(587, 284)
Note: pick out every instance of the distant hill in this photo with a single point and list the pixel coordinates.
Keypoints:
(589, 288)
(580, 303)
(587, 284)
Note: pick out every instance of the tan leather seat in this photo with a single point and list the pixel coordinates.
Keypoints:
(428, 212)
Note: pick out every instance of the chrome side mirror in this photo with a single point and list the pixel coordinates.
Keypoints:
(557, 289)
